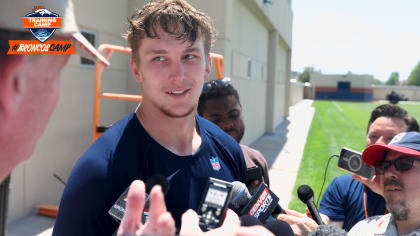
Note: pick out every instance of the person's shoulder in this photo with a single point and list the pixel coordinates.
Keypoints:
(119, 136)
(207, 125)
(214, 132)
(374, 225)
(344, 184)
(346, 180)
(250, 150)
(118, 128)
(126, 126)
(254, 155)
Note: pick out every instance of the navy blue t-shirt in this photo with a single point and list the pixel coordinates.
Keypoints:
(126, 152)
(343, 201)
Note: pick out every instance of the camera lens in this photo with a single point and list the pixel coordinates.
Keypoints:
(355, 163)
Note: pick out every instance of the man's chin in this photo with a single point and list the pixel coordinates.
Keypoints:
(399, 211)
(178, 114)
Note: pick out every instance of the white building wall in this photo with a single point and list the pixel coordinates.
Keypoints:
(319, 79)
(296, 92)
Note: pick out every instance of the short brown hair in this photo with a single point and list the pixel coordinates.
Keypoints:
(393, 111)
(175, 17)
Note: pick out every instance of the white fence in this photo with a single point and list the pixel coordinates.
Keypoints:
(299, 91)
(411, 92)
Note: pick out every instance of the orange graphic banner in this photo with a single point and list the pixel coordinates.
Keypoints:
(36, 47)
(41, 22)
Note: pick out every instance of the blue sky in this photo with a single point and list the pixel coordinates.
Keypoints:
(374, 37)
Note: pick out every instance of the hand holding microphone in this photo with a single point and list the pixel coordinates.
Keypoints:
(306, 195)
(260, 205)
(230, 226)
(160, 221)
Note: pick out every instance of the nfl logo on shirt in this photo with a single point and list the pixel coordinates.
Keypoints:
(215, 163)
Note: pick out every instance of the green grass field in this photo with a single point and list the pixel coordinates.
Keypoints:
(335, 125)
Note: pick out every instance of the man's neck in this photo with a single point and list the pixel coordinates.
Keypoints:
(179, 135)
(407, 226)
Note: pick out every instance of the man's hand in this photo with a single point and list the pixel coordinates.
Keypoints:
(231, 226)
(301, 224)
(372, 183)
(160, 221)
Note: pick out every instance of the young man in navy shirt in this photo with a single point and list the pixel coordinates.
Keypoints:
(170, 44)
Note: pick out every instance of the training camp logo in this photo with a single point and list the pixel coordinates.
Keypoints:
(42, 23)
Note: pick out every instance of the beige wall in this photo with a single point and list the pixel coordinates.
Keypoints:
(411, 92)
(296, 92)
(246, 30)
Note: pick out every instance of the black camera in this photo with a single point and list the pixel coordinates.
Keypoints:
(351, 160)
(214, 203)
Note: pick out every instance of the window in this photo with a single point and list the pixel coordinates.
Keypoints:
(91, 37)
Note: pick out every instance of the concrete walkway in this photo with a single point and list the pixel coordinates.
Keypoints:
(282, 149)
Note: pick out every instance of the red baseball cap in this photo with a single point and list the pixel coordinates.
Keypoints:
(406, 143)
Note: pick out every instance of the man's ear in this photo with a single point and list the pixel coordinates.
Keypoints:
(11, 83)
(208, 67)
(136, 70)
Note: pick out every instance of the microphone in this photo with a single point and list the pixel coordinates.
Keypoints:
(327, 230)
(156, 179)
(279, 228)
(117, 210)
(260, 205)
(306, 195)
(247, 220)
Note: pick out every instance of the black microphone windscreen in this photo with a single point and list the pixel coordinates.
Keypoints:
(157, 179)
(327, 230)
(247, 220)
(239, 195)
(305, 193)
(279, 227)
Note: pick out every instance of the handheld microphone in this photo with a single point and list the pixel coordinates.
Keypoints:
(306, 195)
(156, 179)
(117, 210)
(260, 205)
(247, 220)
(279, 228)
(327, 230)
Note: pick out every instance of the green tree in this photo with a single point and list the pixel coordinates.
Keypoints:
(414, 78)
(304, 77)
(394, 79)
(377, 82)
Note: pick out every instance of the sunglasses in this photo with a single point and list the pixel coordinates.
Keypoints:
(218, 83)
(400, 164)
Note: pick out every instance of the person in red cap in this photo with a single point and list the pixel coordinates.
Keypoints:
(397, 165)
